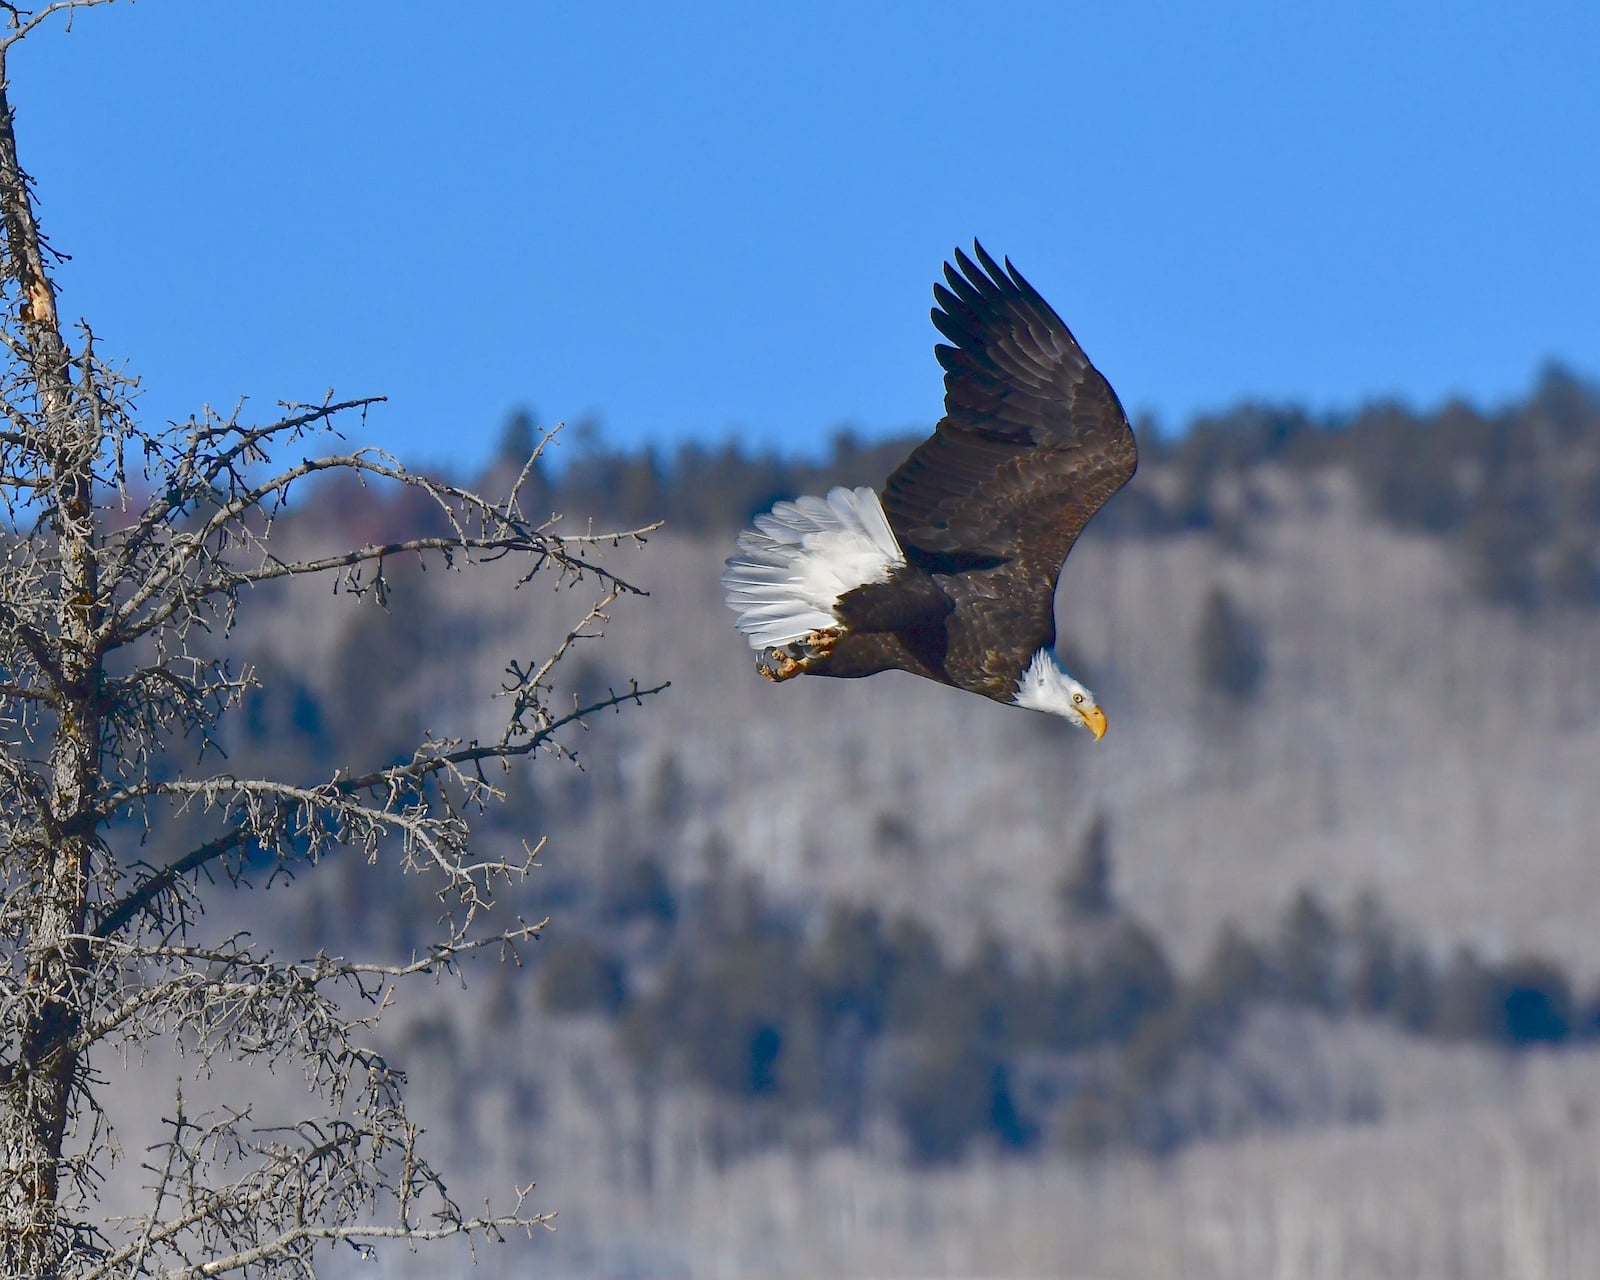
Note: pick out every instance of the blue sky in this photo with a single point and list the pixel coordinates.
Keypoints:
(717, 220)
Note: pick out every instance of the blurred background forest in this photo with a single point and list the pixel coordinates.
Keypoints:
(1294, 974)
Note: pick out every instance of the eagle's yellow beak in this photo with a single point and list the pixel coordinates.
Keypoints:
(1096, 720)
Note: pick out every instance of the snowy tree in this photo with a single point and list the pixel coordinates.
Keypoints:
(123, 559)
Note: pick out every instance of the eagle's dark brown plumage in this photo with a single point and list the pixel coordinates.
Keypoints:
(1032, 444)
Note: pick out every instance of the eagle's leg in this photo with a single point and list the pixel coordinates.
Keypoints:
(785, 661)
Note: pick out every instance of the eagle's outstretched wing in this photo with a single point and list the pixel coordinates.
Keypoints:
(1032, 444)
(1032, 440)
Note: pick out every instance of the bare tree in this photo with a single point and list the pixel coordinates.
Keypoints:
(123, 555)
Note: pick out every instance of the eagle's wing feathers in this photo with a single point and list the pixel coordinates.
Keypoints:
(1032, 444)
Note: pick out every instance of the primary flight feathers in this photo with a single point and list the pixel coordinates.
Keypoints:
(952, 574)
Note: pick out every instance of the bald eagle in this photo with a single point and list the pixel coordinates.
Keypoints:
(951, 574)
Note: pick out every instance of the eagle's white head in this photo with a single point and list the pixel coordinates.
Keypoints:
(1046, 686)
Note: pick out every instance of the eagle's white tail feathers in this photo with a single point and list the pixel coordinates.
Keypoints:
(801, 557)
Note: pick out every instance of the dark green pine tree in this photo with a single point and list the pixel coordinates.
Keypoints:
(1308, 949)
(1085, 890)
(1230, 658)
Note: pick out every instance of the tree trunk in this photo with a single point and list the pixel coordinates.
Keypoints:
(35, 1093)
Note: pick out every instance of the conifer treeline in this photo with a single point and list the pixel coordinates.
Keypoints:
(871, 1016)
(1517, 488)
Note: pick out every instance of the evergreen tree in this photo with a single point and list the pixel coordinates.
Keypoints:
(580, 976)
(638, 890)
(1132, 980)
(1233, 977)
(848, 975)
(1416, 993)
(1469, 1003)
(946, 1099)
(1085, 889)
(1537, 1001)
(1308, 954)
(1375, 974)
(1229, 656)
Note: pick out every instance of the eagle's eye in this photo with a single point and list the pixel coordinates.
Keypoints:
(1078, 698)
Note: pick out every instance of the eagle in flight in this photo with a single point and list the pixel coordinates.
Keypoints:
(951, 573)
